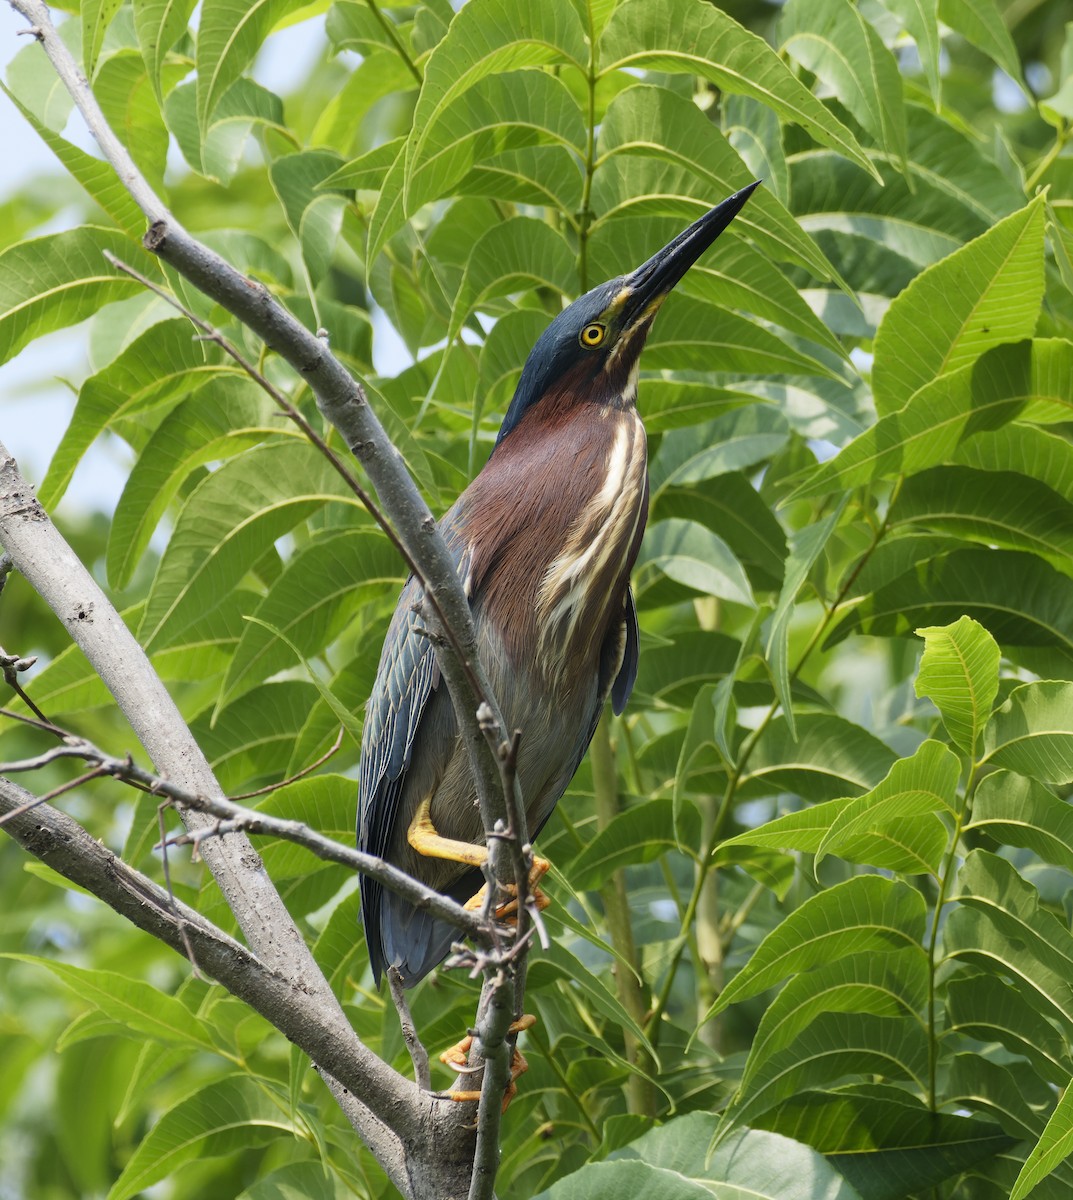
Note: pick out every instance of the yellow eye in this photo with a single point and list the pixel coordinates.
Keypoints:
(593, 335)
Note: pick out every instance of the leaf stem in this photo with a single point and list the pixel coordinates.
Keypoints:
(585, 215)
(393, 35)
(705, 866)
(632, 991)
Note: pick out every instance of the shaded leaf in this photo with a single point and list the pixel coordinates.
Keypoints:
(864, 914)
(1032, 733)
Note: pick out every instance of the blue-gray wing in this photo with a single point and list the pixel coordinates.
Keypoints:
(406, 680)
(627, 672)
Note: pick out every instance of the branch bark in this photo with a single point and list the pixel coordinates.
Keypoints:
(342, 401)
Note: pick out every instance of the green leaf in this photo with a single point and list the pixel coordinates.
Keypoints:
(959, 675)
(223, 417)
(1032, 733)
(227, 523)
(155, 369)
(57, 280)
(1025, 450)
(984, 294)
(891, 826)
(159, 24)
(699, 39)
(521, 250)
(1001, 925)
(96, 17)
(135, 1005)
(594, 990)
(671, 1162)
(123, 90)
(224, 1116)
(250, 742)
(865, 914)
(97, 177)
(805, 547)
(315, 216)
(496, 114)
(831, 1047)
(611, 1180)
(916, 787)
(996, 508)
(230, 33)
(829, 757)
(1018, 598)
(980, 22)
(832, 39)
(988, 1009)
(313, 600)
(883, 1141)
(739, 439)
(920, 20)
(1017, 811)
(690, 554)
(641, 834)
(730, 506)
(485, 37)
(295, 1181)
(1054, 1147)
(890, 985)
(655, 122)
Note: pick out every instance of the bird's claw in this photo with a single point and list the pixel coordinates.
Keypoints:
(457, 1058)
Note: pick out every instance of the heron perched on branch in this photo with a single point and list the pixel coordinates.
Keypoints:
(544, 539)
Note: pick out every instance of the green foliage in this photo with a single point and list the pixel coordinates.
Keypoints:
(842, 811)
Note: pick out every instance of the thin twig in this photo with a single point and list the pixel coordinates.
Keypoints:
(418, 1053)
(275, 787)
(180, 923)
(233, 818)
(12, 665)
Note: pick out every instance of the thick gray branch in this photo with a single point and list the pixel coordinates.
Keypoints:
(55, 572)
(286, 1002)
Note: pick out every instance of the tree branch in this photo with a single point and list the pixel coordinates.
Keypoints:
(234, 818)
(288, 1003)
(342, 401)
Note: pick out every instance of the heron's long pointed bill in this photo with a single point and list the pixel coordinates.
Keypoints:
(650, 283)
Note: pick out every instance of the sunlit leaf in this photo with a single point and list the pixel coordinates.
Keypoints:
(1017, 811)
(60, 279)
(706, 41)
(959, 675)
(985, 294)
(221, 1117)
(228, 522)
(832, 39)
(1054, 1146)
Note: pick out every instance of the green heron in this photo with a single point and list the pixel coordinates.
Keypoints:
(544, 539)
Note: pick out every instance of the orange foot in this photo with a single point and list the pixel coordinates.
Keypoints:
(457, 1058)
(509, 911)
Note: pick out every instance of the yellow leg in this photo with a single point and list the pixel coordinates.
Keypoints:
(457, 1058)
(427, 841)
